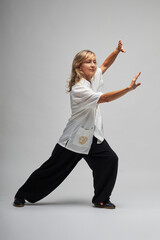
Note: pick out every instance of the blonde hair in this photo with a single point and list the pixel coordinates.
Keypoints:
(76, 73)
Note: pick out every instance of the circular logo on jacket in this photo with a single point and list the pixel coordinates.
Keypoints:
(83, 140)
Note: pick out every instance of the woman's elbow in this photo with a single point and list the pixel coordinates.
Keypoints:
(103, 99)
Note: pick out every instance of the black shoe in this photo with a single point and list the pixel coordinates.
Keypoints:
(18, 202)
(108, 205)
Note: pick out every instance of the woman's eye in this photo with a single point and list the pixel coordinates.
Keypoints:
(89, 61)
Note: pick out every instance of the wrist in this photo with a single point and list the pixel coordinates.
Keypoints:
(129, 88)
(117, 50)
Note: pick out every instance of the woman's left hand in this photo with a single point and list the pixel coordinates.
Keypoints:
(120, 47)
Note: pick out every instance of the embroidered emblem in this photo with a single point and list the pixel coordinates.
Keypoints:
(83, 140)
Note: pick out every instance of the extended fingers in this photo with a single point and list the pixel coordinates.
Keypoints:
(135, 78)
(137, 75)
(120, 46)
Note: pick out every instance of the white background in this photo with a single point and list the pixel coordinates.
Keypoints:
(38, 42)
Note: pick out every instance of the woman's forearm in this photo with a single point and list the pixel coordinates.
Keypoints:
(111, 58)
(108, 97)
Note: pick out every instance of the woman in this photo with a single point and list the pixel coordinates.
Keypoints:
(83, 136)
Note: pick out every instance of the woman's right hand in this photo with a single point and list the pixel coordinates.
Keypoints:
(133, 84)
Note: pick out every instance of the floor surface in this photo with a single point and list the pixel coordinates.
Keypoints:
(67, 216)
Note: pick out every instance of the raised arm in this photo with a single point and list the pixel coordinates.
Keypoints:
(108, 97)
(111, 58)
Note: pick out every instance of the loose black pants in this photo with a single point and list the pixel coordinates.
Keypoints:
(101, 159)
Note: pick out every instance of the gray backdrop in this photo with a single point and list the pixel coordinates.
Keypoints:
(38, 42)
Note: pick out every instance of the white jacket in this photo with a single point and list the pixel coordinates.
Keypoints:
(78, 133)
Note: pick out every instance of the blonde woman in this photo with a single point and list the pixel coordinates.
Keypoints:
(83, 136)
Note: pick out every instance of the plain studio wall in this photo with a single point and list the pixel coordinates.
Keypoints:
(38, 42)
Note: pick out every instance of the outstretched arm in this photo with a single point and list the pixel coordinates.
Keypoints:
(111, 58)
(108, 97)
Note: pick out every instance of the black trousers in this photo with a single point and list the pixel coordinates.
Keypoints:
(101, 159)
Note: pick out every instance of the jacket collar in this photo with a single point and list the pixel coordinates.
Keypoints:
(85, 82)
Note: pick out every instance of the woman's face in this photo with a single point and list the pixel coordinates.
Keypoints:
(88, 67)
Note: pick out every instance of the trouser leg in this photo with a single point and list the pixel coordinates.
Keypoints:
(46, 178)
(104, 164)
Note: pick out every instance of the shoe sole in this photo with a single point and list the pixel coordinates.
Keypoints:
(104, 207)
(22, 205)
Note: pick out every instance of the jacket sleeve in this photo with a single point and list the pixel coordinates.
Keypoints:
(85, 97)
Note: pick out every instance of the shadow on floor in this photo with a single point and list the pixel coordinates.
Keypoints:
(61, 203)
